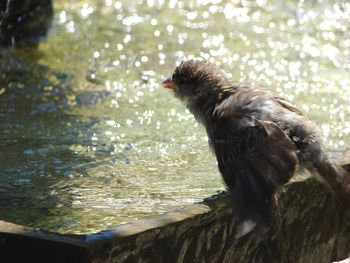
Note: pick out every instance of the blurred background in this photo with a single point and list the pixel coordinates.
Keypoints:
(89, 140)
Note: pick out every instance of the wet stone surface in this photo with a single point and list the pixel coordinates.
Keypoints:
(314, 228)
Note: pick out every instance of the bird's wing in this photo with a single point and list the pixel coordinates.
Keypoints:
(255, 158)
(287, 105)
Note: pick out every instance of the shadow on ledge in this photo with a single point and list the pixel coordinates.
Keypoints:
(314, 229)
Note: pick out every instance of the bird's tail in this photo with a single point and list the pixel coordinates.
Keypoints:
(337, 178)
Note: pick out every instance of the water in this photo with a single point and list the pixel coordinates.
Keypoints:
(89, 140)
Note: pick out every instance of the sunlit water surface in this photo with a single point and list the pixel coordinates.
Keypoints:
(88, 138)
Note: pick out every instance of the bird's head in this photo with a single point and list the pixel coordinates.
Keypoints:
(194, 79)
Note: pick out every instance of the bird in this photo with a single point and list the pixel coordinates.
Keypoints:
(259, 140)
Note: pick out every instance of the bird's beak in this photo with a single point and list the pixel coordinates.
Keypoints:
(169, 84)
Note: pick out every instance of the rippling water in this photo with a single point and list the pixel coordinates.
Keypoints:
(89, 140)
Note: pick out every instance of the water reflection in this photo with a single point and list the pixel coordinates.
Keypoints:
(88, 138)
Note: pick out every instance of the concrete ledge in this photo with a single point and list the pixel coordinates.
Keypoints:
(314, 228)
